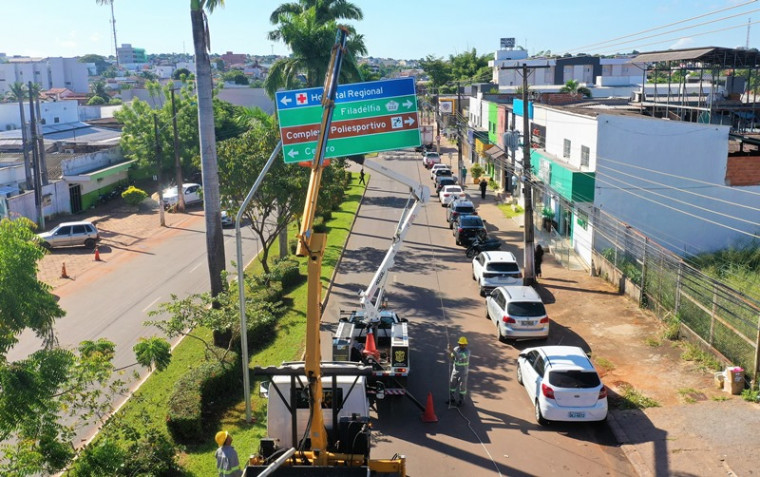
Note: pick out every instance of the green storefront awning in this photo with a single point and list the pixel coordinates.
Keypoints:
(572, 185)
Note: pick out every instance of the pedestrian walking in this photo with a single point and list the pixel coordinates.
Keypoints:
(538, 257)
(361, 177)
(483, 187)
(227, 463)
(458, 382)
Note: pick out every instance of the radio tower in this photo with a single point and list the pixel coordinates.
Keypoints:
(749, 22)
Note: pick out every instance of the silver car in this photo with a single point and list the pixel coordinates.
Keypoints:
(71, 234)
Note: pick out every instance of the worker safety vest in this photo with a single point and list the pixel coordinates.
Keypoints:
(461, 357)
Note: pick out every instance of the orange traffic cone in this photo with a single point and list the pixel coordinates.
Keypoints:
(369, 346)
(63, 271)
(97, 254)
(429, 414)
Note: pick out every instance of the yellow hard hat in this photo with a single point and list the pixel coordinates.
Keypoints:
(221, 437)
(462, 340)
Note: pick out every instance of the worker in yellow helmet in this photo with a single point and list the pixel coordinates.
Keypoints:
(227, 463)
(460, 357)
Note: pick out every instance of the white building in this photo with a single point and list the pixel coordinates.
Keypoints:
(53, 112)
(49, 73)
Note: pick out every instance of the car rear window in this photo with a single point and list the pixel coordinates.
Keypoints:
(470, 221)
(464, 209)
(574, 379)
(526, 308)
(443, 172)
(503, 267)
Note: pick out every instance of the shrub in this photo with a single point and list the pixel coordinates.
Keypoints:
(96, 101)
(477, 170)
(286, 271)
(133, 195)
(196, 396)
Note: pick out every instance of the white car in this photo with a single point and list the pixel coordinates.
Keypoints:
(518, 313)
(193, 194)
(435, 168)
(562, 384)
(450, 193)
(495, 269)
(430, 159)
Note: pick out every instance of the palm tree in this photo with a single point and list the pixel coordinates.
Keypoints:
(310, 36)
(209, 167)
(113, 23)
(574, 88)
(326, 10)
(18, 93)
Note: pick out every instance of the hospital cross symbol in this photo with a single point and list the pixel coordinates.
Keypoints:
(301, 98)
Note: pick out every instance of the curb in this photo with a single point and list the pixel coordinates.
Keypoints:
(631, 453)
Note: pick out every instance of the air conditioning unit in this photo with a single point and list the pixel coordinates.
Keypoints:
(68, 151)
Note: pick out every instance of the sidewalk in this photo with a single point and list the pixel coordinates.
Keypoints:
(697, 429)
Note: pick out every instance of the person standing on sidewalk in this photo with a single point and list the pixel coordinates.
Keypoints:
(361, 177)
(458, 382)
(538, 257)
(483, 186)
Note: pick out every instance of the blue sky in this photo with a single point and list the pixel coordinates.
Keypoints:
(401, 29)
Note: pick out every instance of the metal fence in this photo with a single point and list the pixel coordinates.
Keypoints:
(710, 311)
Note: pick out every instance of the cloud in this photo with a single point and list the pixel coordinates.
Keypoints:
(685, 42)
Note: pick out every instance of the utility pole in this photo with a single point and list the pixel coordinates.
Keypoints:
(41, 142)
(161, 218)
(177, 164)
(460, 164)
(35, 162)
(529, 275)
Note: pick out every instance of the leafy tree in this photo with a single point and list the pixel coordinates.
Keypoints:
(50, 385)
(219, 63)
(99, 89)
(100, 62)
(148, 75)
(209, 167)
(437, 69)
(468, 67)
(367, 73)
(177, 75)
(574, 88)
(235, 76)
(308, 28)
(96, 101)
(154, 353)
(280, 195)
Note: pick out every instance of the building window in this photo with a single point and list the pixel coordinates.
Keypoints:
(566, 149)
(56, 120)
(585, 153)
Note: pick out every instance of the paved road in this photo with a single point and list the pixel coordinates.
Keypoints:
(495, 432)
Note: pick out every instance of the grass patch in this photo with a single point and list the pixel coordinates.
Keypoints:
(719, 398)
(511, 211)
(287, 345)
(751, 395)
(689, 395)
(704, 360)
(672, 329)
(634, 399)
(604, 364)
(652, 342)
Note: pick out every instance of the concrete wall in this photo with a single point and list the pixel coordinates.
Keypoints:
(87, 113)
(55, 199)
(667, 180)
(66, 112)
(89, 162)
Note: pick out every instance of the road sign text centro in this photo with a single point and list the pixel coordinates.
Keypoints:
(367, 117)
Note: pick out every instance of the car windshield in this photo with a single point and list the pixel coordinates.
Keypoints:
(444, 181)
(470, 221)
(510, 267)
(443, 172)
(526, 308)
(464, 209)
(574, 379)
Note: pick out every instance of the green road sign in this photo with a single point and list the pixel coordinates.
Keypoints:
(367, 117)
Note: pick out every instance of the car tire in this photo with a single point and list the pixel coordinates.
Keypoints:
(89, 243)
(451, 225)
(539, 417)
(458, 242)
(470, 253)
(45, 245)
(473, 276)
(519, 374)
(488, 317)
(502, 338)
(482, 290)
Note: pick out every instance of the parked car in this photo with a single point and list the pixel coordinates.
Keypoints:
(449, 193)
(495, 269)
(444, 181)
(459, 207)
(467, 227)
(227, 219)
(435, 168)
(430, 159)
(562, 384)
(193, 194)
(71, 234)
(443, 172)
(518, 313)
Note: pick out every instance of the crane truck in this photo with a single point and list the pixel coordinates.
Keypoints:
(318, 412)
(372, 334)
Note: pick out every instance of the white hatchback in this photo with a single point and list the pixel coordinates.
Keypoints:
(495, 269)
(193, 194)
(562, 384)
(435, 168)
(450, 193)
(518, 313)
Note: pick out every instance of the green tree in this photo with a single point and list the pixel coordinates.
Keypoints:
(308, 28)
(96, 101)
(51, 393)
(100, 62)
(219, 63)
(99, 89)
(177, 75)
(18, 93)
(574, 88)
(154, 353)
(235, 76)
(468, 67)
(367, 73)
(209, 167)
(437, 69)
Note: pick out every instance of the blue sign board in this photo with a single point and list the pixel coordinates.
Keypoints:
(346, 93)
(518, 108)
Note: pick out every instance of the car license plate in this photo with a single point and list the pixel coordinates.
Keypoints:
(576, 415)
(529, 322)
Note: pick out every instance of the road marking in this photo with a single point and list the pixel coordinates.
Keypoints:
(151, 304)
(196, 267)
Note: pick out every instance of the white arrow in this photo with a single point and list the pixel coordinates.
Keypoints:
(407, 104)
(409, 121)
(285, 100)
(292, 153)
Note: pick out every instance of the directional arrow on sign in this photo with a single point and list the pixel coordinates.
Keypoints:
(409, 121)
(286, 100)
(407, 104)
(292, 153)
